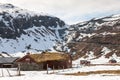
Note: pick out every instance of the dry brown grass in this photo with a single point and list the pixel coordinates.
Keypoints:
(96, 72)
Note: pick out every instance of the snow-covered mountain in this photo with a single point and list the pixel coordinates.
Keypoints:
(22, 30)
(96, 38)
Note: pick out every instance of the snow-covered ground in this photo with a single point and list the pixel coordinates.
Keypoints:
(59, 75)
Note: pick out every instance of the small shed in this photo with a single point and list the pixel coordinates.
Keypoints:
(85, 62)
(54, 60)
(112, 61)
(8, 62)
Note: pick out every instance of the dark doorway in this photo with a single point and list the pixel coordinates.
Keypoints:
(55, 64)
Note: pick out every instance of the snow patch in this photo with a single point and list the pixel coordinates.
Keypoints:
(105, 50)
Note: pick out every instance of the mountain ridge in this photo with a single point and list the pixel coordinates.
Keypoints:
(95, 35)
(23, 30)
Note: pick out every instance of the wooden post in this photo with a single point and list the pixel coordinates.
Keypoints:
(47, 68)
(63, 68)
(53, 68)
(8, 72)
(19, 70)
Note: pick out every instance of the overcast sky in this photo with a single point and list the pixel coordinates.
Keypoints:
(71, 11)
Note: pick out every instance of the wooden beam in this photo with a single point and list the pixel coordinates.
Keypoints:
(47, 68)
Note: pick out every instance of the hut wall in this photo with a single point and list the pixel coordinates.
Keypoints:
(27, 63)
(31, 66)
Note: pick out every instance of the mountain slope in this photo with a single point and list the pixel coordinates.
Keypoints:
(22, 30)
(95, 38)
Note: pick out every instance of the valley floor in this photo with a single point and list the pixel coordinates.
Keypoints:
(60, 74)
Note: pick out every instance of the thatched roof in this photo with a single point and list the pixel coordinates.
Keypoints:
(47, 56)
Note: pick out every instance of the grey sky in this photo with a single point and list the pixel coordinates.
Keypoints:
(71, 11)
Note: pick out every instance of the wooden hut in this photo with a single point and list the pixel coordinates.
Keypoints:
(41, 61)
(85, 62)
(8, 62)
(112, 61)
